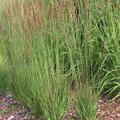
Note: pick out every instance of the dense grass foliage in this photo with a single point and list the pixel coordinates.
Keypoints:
(54, 47)
(3, 72)
(3, 81)
(87, 103)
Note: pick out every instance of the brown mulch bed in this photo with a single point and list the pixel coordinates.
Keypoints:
(109, 110)
(10, 109)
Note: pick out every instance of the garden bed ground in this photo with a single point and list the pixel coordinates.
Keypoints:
(10, 109)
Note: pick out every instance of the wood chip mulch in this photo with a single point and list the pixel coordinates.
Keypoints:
(10, 109)
(109, 110)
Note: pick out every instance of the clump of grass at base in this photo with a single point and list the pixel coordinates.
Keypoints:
(35, 58)
(3, 75)
(3, 81)
(87, 104)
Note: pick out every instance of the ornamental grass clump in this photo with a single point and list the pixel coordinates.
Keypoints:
(51, 47)
(87, 103)
(35, 55)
